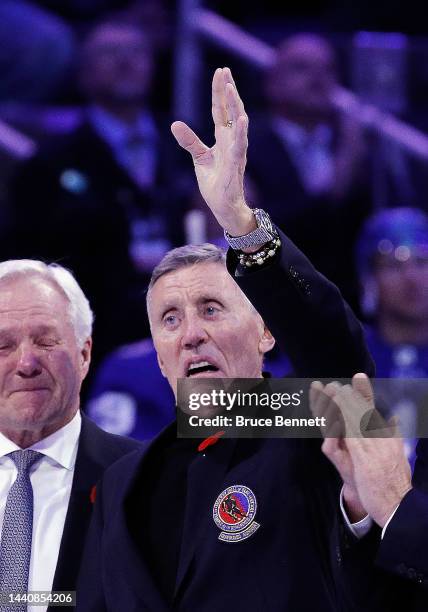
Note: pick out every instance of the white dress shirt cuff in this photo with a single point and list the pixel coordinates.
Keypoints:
(360, 529)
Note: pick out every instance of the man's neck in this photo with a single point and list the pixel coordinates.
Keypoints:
(26, 438)
(401, 330)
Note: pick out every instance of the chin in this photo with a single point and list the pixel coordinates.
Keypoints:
(33, 412)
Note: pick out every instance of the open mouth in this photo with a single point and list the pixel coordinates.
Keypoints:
(200, 368)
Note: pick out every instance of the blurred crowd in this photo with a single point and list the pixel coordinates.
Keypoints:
(106, 192)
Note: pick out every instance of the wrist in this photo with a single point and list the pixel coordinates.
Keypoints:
(354, 508)
(242, 223)
(264, 234)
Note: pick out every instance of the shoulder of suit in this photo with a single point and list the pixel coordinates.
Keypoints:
(114, 444)
(120, 473)
(127, 464)
(63, 148)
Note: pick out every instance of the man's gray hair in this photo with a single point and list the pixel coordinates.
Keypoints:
(184, 256)
(79, 310)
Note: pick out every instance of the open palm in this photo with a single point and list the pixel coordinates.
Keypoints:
(220, 169)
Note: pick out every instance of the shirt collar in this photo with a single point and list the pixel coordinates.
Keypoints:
(60, 446)
(115, 132)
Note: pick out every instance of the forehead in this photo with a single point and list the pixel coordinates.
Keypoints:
(193, 283)
(30, 297)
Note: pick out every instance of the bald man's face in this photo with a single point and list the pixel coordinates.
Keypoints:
(304, 76)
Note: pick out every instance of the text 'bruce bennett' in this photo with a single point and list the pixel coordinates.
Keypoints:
(241, 421)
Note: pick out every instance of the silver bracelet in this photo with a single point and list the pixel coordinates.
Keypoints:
(264, 233)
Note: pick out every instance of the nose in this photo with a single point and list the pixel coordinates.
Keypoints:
(28, 365)
(194, 333)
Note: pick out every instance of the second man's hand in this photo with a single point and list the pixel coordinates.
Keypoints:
(375, 470)
(220, 169)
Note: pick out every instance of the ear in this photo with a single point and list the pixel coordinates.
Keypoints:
(161, 367)
(266, 342)
(85, 356)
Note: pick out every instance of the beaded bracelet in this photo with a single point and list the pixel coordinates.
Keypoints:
(258, 258)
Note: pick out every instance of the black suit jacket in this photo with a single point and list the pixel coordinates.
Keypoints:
(97, 450)
(404, 548)
(286, 564)
(388, 574)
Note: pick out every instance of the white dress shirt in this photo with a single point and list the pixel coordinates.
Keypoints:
(360, 529)
(51, 479)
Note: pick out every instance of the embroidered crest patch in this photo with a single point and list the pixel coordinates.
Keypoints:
(234, 511)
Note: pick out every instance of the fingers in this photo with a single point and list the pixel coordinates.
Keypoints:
(323, 392)
(322, 404)
(361, 384)
(342, 406)
(234, 105)
(354, 409)
(362, 418)
(187, 139)
(219, 111)
(230, 120)
(339, 456)
(226, 102)
(320, 397)
(330, 448)
(239, 149)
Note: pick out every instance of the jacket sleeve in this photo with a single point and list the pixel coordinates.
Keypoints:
(404, 547)
(306, 314)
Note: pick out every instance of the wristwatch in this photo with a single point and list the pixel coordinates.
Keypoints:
(265, 232)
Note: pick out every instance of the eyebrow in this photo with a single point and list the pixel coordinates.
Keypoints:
(39, 329)
(45, 329)
(206, 300)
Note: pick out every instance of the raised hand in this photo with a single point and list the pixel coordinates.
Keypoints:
(220, 169)
(334, 446)
(372, 462)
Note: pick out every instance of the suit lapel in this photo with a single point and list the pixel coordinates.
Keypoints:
(205, 475)
(135, 570)
(86, 474)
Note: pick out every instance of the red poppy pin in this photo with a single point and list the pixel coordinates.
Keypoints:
(210, 440)
(93, 494)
